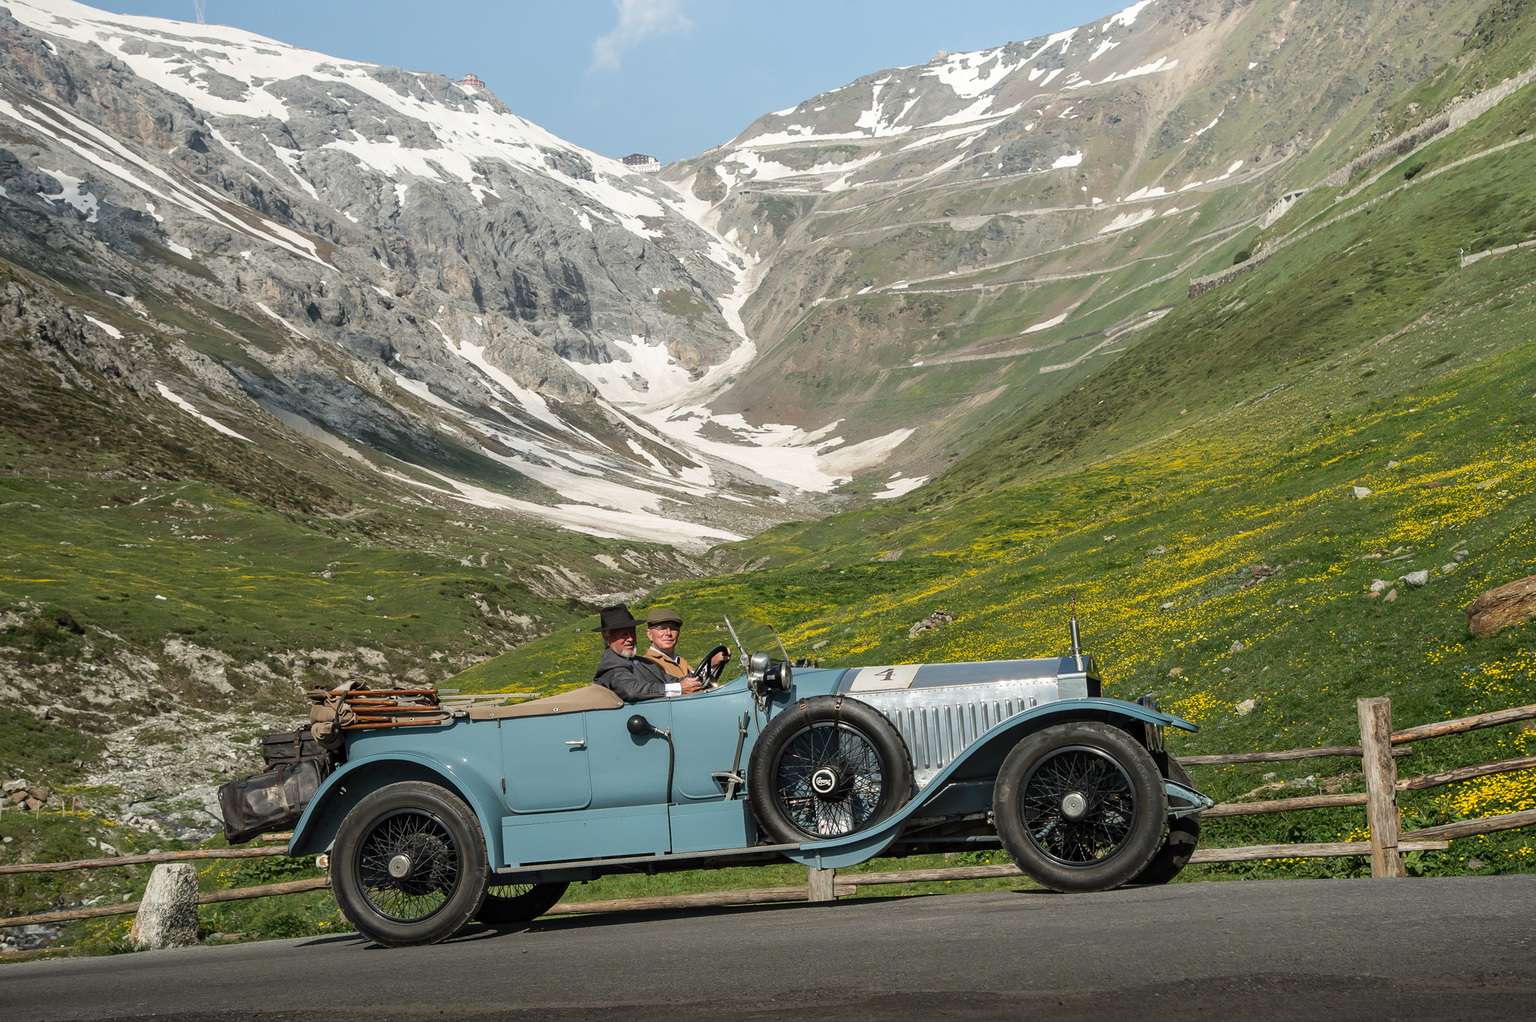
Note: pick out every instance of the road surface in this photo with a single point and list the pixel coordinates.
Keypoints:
(1328, 949)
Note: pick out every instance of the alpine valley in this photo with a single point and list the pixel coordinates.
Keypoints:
(314, 369)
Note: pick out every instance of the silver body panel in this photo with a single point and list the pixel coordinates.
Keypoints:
(940, 723)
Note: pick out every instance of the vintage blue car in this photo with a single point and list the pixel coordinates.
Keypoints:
(489, 811)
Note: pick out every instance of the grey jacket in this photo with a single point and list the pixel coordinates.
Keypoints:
(633, 678)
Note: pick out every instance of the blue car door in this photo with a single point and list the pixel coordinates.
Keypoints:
(546, 763)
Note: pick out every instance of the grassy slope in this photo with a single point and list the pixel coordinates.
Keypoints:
(1232, 436)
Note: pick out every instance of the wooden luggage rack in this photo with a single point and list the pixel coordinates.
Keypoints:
(363, 709)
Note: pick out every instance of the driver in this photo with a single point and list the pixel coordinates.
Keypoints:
(633, 678)
(664, 626)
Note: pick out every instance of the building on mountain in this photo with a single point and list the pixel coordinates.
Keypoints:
(472, 81)
(643, 163)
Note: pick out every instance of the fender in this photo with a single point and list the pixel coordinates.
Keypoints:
(980, 760)
(344, 789)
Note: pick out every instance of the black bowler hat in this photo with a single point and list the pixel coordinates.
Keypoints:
(616, 617)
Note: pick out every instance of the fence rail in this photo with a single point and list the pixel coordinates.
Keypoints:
(1378, 751)
(132, 907)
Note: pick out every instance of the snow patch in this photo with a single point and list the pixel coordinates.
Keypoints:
(1104, 47)
(1125, 220)
(187, 407)
(898, 487)
(107, 328)
(74, 195)
(1046, 324)
(1069, 160)
(1127, 17)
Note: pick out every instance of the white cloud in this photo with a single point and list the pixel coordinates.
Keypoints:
(638, 20)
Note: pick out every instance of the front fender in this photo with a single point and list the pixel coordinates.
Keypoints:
(980, 761)
(316, 829)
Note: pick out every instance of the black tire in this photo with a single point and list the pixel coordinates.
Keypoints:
(1080, 807)
(826, 767)
(517, 903)
(409, 864)
(1179, 845)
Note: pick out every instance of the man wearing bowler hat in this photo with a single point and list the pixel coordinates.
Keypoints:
(632, 677)
(663, 627)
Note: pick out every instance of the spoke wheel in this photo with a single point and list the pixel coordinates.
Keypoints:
(409, 864)
(1077, 806)
(518, 903)
(1080, 807)
(825, 768)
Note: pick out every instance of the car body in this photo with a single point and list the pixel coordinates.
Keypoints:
(827, 767)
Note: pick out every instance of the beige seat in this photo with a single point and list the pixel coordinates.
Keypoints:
(589, 697)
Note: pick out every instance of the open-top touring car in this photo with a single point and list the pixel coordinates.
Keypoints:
(443, 813)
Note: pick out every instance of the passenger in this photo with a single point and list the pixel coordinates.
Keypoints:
(664, 626)
(633, 678)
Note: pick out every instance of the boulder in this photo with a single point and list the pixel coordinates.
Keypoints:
(937, 619)
(1497, 609)
(167, 914)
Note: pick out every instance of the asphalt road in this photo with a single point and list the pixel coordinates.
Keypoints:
(1336, 949)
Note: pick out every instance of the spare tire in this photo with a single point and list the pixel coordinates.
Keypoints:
(827, 767)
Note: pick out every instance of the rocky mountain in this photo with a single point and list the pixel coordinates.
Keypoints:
(388, 264)
(399, 272)
(944, 247)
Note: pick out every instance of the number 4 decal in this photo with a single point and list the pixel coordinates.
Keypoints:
(871, 679)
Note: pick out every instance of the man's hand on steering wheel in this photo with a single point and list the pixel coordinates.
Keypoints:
(709, 671)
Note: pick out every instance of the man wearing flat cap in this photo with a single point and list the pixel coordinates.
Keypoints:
(664, 626)
(633, 677)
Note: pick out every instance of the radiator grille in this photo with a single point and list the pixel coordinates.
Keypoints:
(939, 723)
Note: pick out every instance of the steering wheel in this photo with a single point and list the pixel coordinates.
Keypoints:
(709, 672)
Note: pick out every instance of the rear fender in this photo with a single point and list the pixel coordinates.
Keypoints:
(980, 762)
(344, 789)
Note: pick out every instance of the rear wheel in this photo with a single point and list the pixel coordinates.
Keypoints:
(518, 903)
(1080, 807)
(409, 864)
(826, 767)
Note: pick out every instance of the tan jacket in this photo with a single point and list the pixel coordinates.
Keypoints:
(678, 669)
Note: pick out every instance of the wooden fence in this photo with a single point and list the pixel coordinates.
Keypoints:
(1380, 747)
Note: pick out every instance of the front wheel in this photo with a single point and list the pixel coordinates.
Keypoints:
(1080, 807)
(825, 767)
(518, 903)
(1179, 845)
(409, 864)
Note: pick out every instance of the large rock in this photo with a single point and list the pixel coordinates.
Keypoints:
(168, 913)
(1499, 608)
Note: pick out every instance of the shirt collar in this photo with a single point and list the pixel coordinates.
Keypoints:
(665, 656)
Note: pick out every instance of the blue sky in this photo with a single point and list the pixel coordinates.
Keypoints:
(670, 78)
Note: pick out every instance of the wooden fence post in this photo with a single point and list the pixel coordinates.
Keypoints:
(1380, 786)
(818, 884)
